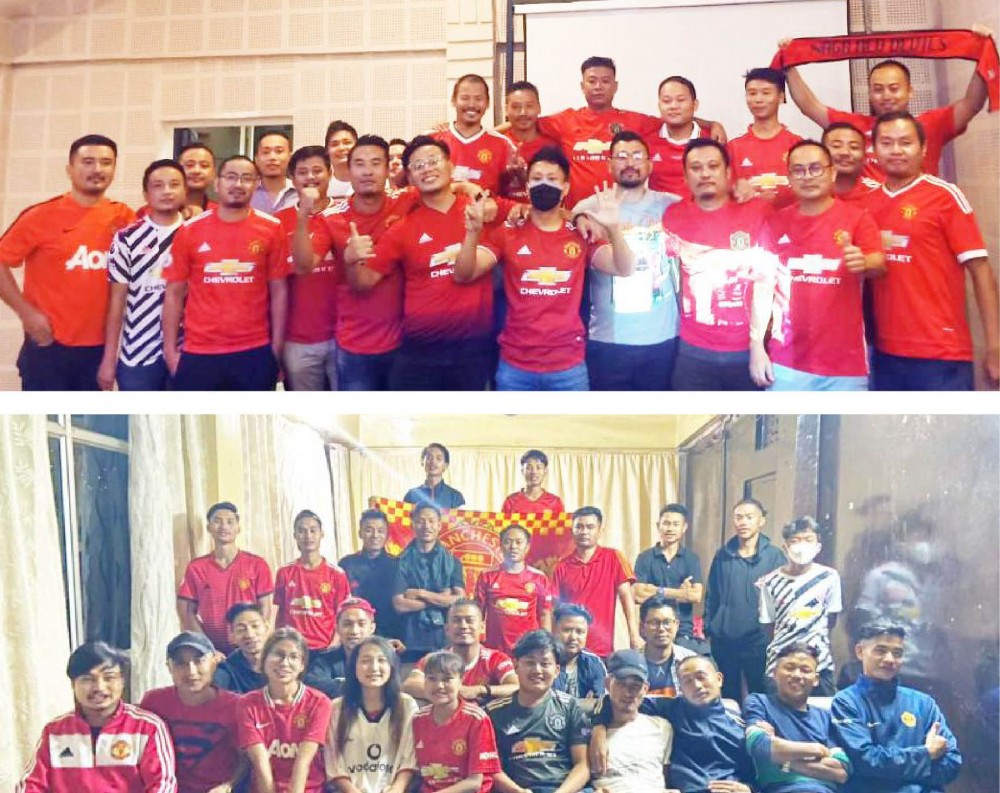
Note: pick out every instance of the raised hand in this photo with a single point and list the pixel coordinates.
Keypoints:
(609, 204)
(854, 258)
(359, 246)
(308, 198)
(935, 743)
(474, 215)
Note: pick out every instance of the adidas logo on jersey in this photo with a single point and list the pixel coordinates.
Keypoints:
(784, 240)
(747, 162)
(205, 248)
(420, 745)
(425, 237)
(525, 251)
(657, 157)
(67, 752)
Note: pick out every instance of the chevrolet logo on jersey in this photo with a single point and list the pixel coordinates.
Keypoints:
(532, 745)
(813, 263)
(307, 602)
(446, 258)
(890, 240)
(512, 606)
(546, 276)
(436, 771)
(769, 181)
(229, 267)
(592, 146)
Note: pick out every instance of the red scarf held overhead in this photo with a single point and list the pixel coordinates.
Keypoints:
(912, 44)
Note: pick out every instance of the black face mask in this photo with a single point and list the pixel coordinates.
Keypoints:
(545, 196)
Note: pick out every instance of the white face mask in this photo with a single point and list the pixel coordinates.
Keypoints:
(803, 552)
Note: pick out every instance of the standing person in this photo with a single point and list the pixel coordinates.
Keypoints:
(340, 138)
(201, 718)
(274, 190)
(454, 740)
(658, 627)
(435, 458)
(248, 630)
(760, 155)
(481, 156)
(593, 576)
(732, 605)
(727, 277)
(369, 747)
(800, 601)
(308, 592)
(216, 581)
(672, 571)
(63, 244)
(678, 102)
(541, 733)
(632, 338)
(896, 737)
(283, 726)
(581, 673)
(228, 281)
(513, 597)
(369, 569)
(198, 162)
(522, 107)
(533, 498)
(99, 734)
(846, 144)
(922, 336)
(788, 739)
(133, 343)
(829, 248)
(428, 582)
(310, 353)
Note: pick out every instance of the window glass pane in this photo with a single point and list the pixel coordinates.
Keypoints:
(223, 141)
(259, 132)
(115, 426)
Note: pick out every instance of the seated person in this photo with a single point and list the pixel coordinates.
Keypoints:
(454, 741)
(435, 459)
(248, 630)
(709, 751)
(788, 739)
(638, 745)
(533, 499)
(541, 733)
(488, 673)
(908, 748)
(99, 733)
(658, 627)
(581, 672)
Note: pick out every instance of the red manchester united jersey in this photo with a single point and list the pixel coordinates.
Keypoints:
(822, 330)
(312, 298)
(928, 233)
(489, 669)
(450, 752)
(666, 156)
(594, 584)
(308, 600)
(722, 253)
(522, 505)
(860, 190)
(512, 184)
(585, 136)
(481, 159)
(764, 162)
(214, 589)
(543, 274)
(512, 604)
(64, 248)
(435, 308)
(281, 728)
(227, 267)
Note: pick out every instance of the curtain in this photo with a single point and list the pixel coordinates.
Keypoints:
(35, 646)
(345, 520)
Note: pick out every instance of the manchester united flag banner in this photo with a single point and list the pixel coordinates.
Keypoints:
(474, 536)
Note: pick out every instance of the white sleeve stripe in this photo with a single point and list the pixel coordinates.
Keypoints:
(164, 748)
(970, 255)
(955, 191)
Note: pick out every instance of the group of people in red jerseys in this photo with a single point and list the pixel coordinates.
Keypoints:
(765, 262)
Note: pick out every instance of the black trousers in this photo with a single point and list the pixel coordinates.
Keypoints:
(58, 367)
(247, 370)
(741, 660)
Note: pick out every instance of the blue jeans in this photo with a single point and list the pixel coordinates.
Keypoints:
(358, 372)
(152, 377)
(786, 379)
(895, 373)
(511, 378)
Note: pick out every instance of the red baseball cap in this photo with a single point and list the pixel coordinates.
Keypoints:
(355, 603)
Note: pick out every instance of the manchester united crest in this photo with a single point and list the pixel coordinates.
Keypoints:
(572, 250)
(841, 237)
(300, 721)
(908, 211)
(120, 750)
(615, 128)
(325, 588)
(458, 747)
(244, 583)
(484, 156)
(739, 241)
(256, 247)
(529, 587)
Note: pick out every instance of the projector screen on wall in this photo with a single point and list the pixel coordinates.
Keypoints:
(712, 43)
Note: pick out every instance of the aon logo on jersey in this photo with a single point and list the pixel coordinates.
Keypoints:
(88, 260)
(286, 751)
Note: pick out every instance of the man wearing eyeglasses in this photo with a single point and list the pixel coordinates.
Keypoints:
(829, 248)
(228, 278)
(632, 339)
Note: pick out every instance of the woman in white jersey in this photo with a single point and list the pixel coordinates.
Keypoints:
(369, 747)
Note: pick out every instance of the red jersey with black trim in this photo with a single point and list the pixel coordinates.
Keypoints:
(131, 753)
(543, 274)
(450, 752)
(368, 323)
(522, 505)
(213, 589)
(666, 156)
(308, 600)
(722, 252)
(228, 268)
(585, 136)
(822, 329)
(489, 669)
(512, 184)
(512, 604)
(764, 162)
(64, 246)
(482, 158)
(938, 124)
(205, 736)
(928, 232)
(281, 728)
(424, 246)
(312, 297)
(594, 584)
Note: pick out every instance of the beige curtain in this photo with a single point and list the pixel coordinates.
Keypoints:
(35, 645)
(344, 518)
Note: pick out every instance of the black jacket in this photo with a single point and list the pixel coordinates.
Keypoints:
(732, 604)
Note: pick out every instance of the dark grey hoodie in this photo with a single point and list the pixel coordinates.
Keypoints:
(732, 605)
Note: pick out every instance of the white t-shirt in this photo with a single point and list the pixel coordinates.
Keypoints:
(339, 189)
(637, 753)
(368, 759)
